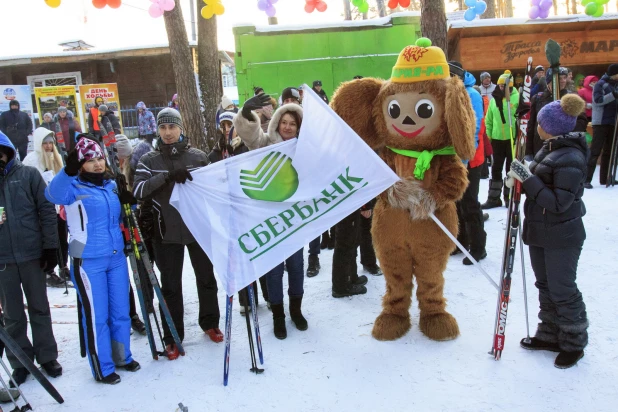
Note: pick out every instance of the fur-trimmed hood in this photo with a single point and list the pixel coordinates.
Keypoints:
(273, 134)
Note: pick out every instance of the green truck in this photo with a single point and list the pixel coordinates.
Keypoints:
(275, 57)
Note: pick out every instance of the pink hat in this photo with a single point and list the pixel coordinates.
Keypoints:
(88, 149)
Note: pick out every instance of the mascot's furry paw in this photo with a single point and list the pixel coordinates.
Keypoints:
(409, 194)
(390, 327)
(439, 326)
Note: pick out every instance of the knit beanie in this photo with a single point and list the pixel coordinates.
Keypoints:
(103, 108)
(88, 149)
(504, 77)
(123, 146)
(419, 63)
(559, 117)
(226, 117)
(62, 109)
(563, 71)
(169, 116)
(47, 114)
(290, 93)
(612, 69)
(539, 68)
(226, 102)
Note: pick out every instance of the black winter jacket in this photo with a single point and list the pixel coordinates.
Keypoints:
(554, 207)
(533, 140)
(17, 125)
(151, 182)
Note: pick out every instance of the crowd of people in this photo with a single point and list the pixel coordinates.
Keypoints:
(79, 195)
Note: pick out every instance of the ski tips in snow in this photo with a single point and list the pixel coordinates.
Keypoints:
(552, 52)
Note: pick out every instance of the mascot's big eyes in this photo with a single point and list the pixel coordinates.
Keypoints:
(394, 110)
(424, 108)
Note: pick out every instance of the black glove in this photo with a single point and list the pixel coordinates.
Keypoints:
(127, 197)
(254, 103)
(49, 259)
(73, 164)
(179, 176)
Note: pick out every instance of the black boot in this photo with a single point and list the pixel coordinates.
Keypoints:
(493, 197)
(111, 379)
(565, 360)
(19, 376)
(279, 321)
(537, 344)
(476, 255)
(52, 368)
(359, 280)
(296, 314)
(133, 366)
(373, 269)
(137, 325)
(313, 268)
(349, 290)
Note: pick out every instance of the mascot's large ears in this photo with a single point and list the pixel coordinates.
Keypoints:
(354, 102)
(460, 119)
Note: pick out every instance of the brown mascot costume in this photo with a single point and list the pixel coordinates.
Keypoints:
(422, 123)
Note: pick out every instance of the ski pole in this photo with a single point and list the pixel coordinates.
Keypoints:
(523, 276)
(27, 406)
(463, 249)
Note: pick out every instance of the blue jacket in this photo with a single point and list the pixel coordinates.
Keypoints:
(604, 101)
(477, 104)
(93, 215)
(145, 120)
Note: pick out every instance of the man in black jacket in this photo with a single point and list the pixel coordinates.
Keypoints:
(157, 173)
(28, 247)
(317, 87)
(17, 125)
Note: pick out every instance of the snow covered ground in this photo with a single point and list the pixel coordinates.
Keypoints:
(337, 365)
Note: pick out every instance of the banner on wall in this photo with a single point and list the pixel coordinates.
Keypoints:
(107, 92)
(23, 95)
(49, 99)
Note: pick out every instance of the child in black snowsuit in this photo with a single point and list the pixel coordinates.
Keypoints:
(554, 230)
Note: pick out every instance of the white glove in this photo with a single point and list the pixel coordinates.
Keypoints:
(236, 141)
(509, 182)
(519, 171)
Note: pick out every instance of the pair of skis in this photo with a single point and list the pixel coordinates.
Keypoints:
(249, 303)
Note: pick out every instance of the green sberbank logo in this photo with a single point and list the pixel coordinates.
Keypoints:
(273, 180)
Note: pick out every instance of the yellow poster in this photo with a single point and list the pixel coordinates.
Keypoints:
(97, 94)
(49, 99)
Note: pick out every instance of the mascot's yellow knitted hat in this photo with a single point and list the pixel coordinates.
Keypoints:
(503, 77)
(419, 63)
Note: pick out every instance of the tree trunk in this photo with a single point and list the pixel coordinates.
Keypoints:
(182, 63)
(490, 13)
(509, 8)
(347, 10)
(433, 23)
(381, 8)
(209, 69)
(573, 6)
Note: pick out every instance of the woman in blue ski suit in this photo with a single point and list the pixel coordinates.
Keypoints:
(99, 267)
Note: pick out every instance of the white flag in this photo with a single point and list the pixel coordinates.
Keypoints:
(251, 212)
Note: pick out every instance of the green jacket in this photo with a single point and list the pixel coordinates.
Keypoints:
(493, 122)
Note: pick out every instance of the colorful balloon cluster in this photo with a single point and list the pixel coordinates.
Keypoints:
(158, 7)
(392, 4)
(53, 3)
(361, 5)
(594, 8)
(99, 4)
(475, 8)
(540, 9)
(267, 7)
(318, 5)
(211, 8)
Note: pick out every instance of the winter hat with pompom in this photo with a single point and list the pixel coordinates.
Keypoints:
(88, 149)
(559, 117)
(123, 146)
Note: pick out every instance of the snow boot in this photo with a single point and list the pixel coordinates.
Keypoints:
(52, 368)
(19, 376)
(111, 379)
(133, 366)
(296, 313)
(537, 344)
(313, 268)
(215, 335)
(565, 360)
(359, 280)
(137, 325)
(493, 197)
(349, 290)
(373, 269)
(477, 256)
(279, 321)
(54, 281)
(171, 351)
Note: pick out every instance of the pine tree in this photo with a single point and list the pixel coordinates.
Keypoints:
(433, 23)
(209, 69)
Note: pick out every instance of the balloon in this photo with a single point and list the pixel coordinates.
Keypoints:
(218, 8)
(535, 2)
(533, 13)
(273, 1)
(470, 3)
(155, 10)
(271, 11)
(392, 4)
(543, 13)
(470, 14)
(591, 8)
(546, 4)
(99, 4)
(114, 4)
(206, 12)
(167, 5)
(599, 12)
(321, 7)
(263, 5)
(364, 8)
(405, 3)
(52, 3)
(309, 7)
(602, 1)
(480, 7)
